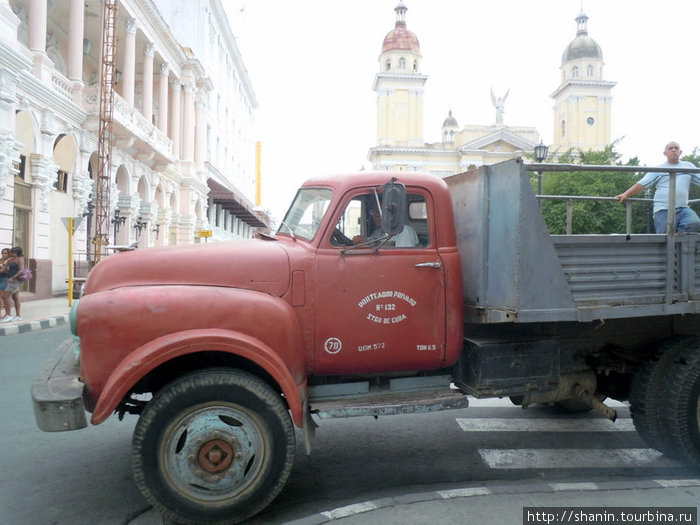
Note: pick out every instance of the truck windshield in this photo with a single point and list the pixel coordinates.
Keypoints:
(306, 213)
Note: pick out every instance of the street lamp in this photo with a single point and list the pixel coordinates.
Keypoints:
(117, 221)
(139, 225)
(541, 151)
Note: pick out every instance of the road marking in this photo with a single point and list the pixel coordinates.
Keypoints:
(496, 402)
(463, 493)
(574, 486)
(349, 510)
(512, 459)
(543, 425)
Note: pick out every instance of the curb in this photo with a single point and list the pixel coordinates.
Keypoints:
(467, 492)
(32, 326)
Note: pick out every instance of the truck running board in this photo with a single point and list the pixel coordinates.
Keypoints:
(400, 396)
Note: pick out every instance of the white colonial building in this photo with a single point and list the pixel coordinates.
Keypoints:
(175, 162)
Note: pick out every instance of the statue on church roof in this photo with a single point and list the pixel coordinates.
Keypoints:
(498, 103)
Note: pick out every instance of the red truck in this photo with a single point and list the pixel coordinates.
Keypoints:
(455, 287)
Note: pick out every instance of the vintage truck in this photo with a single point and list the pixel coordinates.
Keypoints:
(222, 349)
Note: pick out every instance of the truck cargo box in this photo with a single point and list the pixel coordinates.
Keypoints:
(514, 271)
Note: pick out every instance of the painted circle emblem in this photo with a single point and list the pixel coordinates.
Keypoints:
(333, 345)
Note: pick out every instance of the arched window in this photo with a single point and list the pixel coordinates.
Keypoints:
(574, 72)
(590, 71)
(388, 65)
(563, 128)
(402, 63)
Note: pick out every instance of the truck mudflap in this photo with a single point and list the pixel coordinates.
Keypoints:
(57, 394)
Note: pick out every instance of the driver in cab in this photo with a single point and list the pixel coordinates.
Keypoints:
(408, 238)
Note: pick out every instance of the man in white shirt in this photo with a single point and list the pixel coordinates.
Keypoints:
(408, 238)
(686, 219)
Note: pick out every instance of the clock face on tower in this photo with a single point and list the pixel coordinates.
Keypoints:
(590, 121)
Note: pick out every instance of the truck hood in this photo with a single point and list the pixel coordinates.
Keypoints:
(250, 264)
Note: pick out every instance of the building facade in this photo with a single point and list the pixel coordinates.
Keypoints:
(582, 111)
(203, 27)
(159, 193)
(399, 85)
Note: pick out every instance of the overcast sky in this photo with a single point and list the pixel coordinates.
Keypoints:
(312, 64)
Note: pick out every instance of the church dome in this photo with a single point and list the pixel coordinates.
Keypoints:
(401, 38)
(450, 121)
(583, 46)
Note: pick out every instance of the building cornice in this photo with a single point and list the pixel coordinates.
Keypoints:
(587, 84)
(409, 78)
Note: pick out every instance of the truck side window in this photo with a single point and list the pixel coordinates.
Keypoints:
(360, 223)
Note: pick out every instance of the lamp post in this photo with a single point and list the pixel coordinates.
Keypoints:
(117, 220)
(139, 225)
(541, 151)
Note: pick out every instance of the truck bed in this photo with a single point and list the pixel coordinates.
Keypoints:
(513, 270)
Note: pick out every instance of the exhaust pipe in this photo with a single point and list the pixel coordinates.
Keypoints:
(592, 401)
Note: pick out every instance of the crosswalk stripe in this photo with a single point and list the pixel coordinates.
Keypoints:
(512, 459)
(544, 425)
(500, 402)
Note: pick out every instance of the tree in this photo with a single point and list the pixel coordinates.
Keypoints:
(592, 216)
(694, 157)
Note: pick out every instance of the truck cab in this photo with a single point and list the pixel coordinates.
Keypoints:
(379, 302)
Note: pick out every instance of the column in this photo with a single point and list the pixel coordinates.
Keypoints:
(163, 99)
(129, 73)
(175, 121)
(200, 137)
(76, 21)
(36, 32)
(188, 122)
(147, 109)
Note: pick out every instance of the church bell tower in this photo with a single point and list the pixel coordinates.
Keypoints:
(582, 102)
(399, 87)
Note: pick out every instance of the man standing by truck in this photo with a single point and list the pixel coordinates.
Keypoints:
(686, 219)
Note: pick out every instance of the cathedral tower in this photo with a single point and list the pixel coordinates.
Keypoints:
(399, 87)
(582, 102)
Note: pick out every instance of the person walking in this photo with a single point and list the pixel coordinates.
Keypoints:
(11, 292)
(686, 219)
(5, 258)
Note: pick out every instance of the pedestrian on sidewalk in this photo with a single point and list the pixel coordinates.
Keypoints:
(4, 260)
(11, 292)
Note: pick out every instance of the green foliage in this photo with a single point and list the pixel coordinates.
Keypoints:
(694, 157)
(592, 216)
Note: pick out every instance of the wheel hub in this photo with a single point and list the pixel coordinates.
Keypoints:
(215, 456)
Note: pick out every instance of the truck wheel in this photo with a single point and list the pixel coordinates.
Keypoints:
(215, 446)
(647, 396)
(681, 416)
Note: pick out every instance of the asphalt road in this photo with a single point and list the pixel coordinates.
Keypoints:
(84, 477)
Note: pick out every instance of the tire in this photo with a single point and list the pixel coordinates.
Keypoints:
(215, 446)
(682, 413)
(648, 393)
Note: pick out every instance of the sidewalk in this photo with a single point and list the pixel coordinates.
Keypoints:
(37, 315)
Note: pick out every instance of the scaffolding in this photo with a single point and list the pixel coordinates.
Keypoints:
(104, 146)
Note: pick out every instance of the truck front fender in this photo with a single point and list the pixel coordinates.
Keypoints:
(155, 353)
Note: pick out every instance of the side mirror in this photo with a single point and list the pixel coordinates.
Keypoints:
(393, 208)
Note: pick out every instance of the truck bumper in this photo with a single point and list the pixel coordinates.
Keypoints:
(57, 394)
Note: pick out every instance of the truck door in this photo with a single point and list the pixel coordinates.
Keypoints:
(380, 301)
